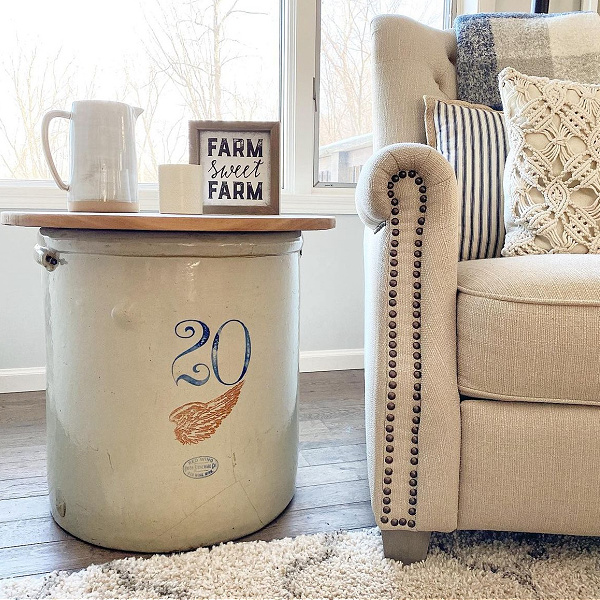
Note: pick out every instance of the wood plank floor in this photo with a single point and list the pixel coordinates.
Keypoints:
(331, 492)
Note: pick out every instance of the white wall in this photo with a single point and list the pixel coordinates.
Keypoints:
(331, 315)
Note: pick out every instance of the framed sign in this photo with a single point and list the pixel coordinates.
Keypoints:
(240, 161)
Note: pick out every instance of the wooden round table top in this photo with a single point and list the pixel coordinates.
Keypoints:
(166, 222)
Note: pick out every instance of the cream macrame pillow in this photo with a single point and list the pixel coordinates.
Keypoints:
(552, 174)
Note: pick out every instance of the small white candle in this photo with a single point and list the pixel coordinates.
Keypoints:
(180, 189)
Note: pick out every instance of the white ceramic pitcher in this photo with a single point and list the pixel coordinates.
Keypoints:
(102, 156)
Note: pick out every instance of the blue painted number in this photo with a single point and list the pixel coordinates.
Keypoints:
(215, 352)
(187, 329)
(188, 332)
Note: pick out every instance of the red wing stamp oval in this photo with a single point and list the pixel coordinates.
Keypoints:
(200, 467)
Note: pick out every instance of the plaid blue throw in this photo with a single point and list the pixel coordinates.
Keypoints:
(560, 46)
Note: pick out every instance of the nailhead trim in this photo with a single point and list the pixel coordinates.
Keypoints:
(392, 352)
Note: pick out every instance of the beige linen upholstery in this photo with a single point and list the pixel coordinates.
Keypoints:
(525, 326)
(410, 60)
(439, 430)
(530, 467)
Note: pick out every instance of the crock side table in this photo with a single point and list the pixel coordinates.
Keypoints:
(172, 366)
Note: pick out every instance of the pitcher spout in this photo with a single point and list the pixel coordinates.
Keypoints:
(137, 111)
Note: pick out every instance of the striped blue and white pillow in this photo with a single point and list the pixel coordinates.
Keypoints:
(473, 139)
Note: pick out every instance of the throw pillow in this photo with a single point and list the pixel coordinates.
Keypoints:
(552, 175)
(473, 139)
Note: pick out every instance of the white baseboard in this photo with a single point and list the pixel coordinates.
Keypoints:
(31, 379)
(331, 360)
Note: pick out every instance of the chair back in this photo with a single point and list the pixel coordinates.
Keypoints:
(410, 60)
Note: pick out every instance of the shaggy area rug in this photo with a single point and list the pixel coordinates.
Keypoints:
(342, 565)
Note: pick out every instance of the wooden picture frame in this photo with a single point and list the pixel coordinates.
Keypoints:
(241, 165)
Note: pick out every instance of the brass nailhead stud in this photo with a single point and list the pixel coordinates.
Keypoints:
(388, 471)
(411, 523)
(384, 519)
(387, 510)
(412, 173)
(394, 522)
(402, 522)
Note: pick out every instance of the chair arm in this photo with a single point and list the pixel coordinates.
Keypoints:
(407, 197)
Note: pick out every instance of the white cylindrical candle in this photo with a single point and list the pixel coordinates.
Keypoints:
(180, 189)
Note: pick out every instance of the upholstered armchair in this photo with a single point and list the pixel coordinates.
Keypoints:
(482, 377)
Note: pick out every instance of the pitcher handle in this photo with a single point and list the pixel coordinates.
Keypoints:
(46, 145)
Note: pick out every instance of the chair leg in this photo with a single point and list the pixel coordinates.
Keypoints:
(406, 546)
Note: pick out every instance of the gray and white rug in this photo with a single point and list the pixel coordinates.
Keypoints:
(342, 565)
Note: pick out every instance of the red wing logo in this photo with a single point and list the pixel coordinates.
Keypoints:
(197, 421)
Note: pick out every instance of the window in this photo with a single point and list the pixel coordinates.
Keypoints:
(194, 59)
(176, 59)
(344, 107)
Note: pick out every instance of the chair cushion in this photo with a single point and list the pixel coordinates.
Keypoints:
(528, 328)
